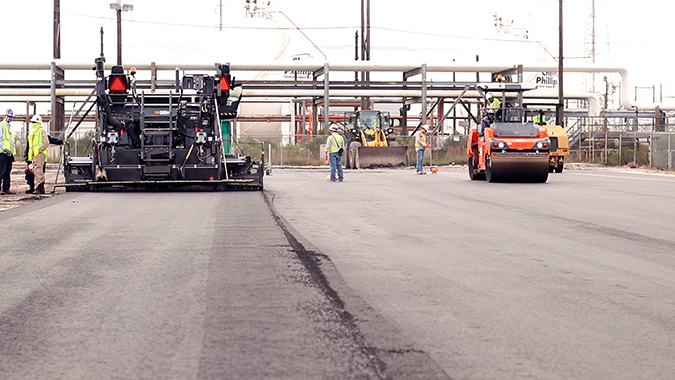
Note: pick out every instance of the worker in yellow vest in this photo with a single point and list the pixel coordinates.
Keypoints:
(494, 102)
(539, 119)
(37, 151)
(7, 152)
(335, 146)
(420, 145)
(492, 113)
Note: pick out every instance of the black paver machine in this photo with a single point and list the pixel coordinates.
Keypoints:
(179, 138)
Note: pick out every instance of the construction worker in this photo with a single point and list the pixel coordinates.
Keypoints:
(494, 105)
(539, 119)
(369, 129)
(30, 175)
(7, 152)
(421, 145)
(38, 142)
(369, 132)
(334, 148)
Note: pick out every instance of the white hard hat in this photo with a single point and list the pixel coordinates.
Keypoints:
(425, 126)
(36, 119)
(489, 95)
(334, 127)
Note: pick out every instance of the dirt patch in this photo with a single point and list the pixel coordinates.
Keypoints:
(19, 185)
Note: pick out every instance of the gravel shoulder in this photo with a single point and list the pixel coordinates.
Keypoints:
(19, 185)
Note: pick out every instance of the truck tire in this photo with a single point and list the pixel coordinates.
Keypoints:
(348, 158)
(354, 152)
(559, 168)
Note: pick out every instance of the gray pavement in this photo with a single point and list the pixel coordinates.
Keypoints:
(176, 286)
(386, 275)
(573, 278)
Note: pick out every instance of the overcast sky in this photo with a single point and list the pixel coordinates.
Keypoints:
(631, 34)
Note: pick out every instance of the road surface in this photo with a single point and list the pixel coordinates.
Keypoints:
(386, 275)
(179, 286)
(570, 279)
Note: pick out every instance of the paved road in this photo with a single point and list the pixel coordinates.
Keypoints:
(180, 286)
(571, 279)
(388, 274)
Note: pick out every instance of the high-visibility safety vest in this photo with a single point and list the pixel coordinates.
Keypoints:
(335, 142)
(6, 138)
(495, 104)
(422, 143)
(536, 119)
(13, 142)
(35, 141)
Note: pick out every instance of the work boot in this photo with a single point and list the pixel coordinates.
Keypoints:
(40, 189)
(8, 192)
(30, 191)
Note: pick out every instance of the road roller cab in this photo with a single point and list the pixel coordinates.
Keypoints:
(509, 151)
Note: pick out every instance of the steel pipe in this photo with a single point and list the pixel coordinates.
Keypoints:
(352, 66)
(594, 104)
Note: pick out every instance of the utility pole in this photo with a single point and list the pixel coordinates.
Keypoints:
(119, 36)
(368, 33)
(57, 29)
(118, 7)
(561, 93)
(356, 54)
(593, 44)
(365, 46)
(57, 75)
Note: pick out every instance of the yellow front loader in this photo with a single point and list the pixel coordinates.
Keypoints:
(367, 143)
(559, 148)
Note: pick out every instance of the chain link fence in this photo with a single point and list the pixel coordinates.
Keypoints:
(653, 149)
(310, 151)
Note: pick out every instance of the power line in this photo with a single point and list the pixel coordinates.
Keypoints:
(328, 28)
